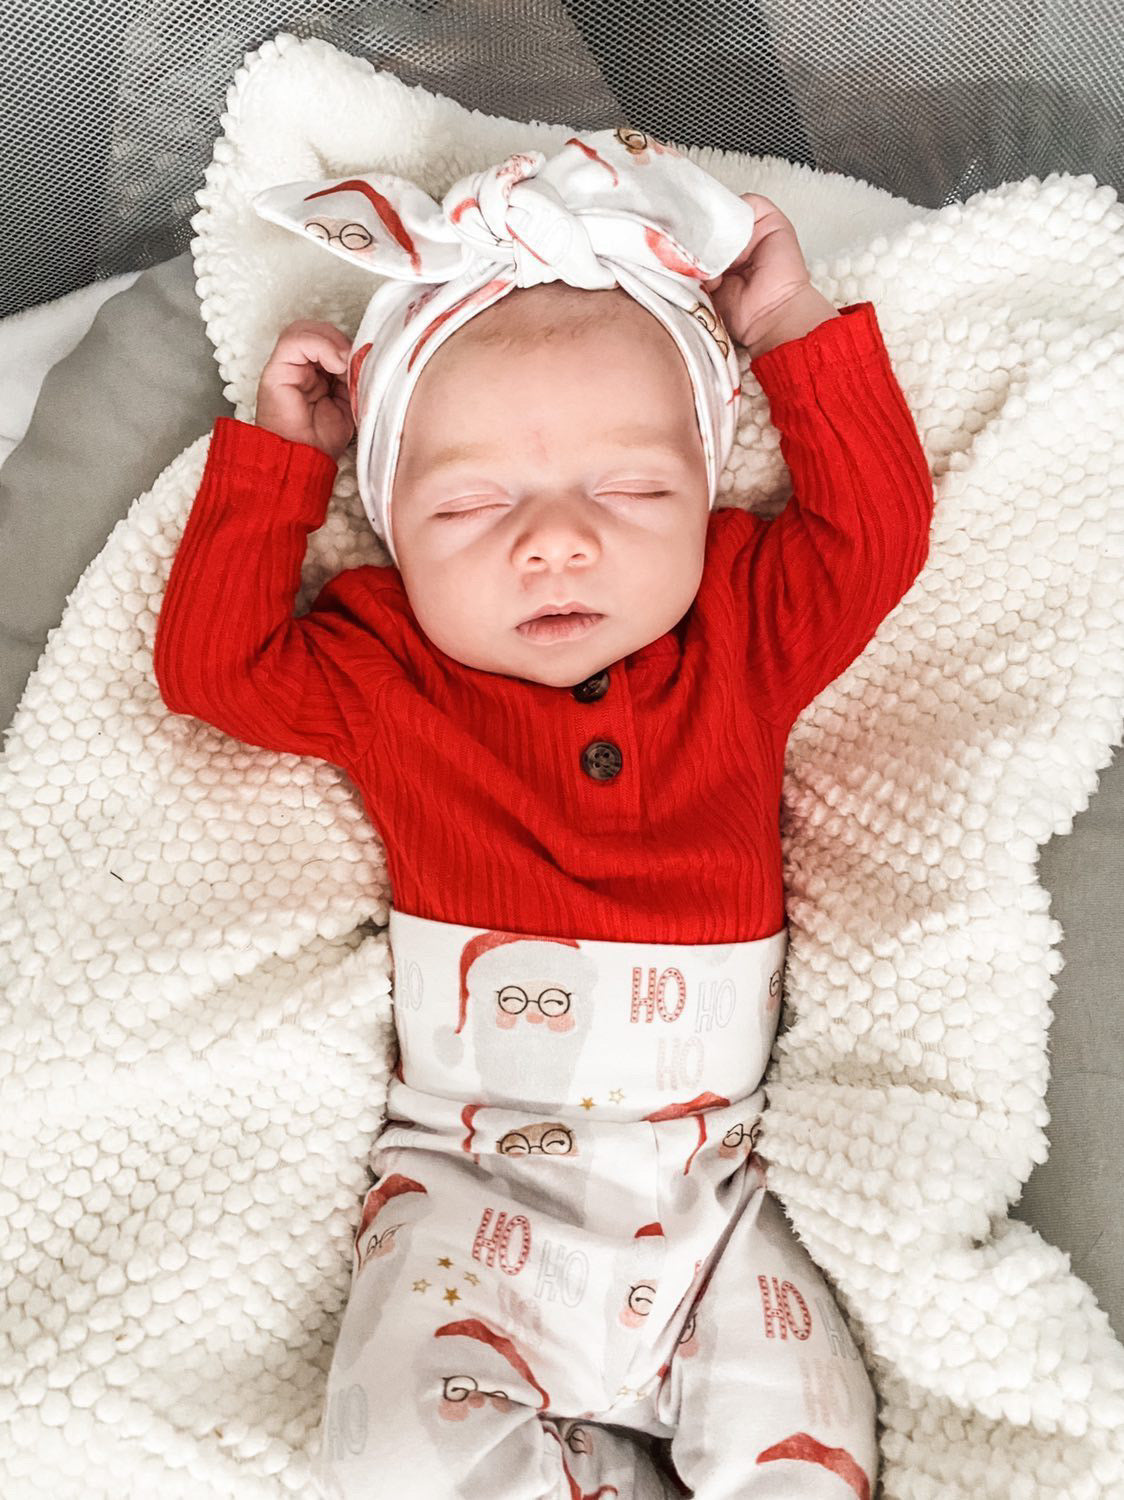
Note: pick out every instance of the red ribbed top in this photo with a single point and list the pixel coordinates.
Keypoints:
(475, 781)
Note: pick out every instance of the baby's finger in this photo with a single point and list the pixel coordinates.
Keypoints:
(340, 346)
(312, 345)
(314, 325)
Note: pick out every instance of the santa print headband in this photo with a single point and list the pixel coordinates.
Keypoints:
(611, 208)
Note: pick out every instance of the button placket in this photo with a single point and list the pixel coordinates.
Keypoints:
(592, 688)
(601, 759)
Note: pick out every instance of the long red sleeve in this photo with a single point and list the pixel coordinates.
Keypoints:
(476, 782)
(228, 648)
(848, 545)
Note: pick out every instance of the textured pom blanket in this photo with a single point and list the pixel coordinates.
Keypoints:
(195, 1026)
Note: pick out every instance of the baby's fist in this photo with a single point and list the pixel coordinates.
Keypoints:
(303, 394)
(752, 293)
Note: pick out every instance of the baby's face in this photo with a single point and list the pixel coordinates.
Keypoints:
(586, 481)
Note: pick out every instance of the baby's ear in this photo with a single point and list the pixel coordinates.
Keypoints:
(385, 224)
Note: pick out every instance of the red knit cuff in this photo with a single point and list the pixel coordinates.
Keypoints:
(790, 369)
(244, 445)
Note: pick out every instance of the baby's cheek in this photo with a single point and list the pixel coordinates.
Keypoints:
(561, 1023)
(506, 1020)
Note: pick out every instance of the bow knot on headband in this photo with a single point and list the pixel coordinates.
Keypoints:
(611, 208)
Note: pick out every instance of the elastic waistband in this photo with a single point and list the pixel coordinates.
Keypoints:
(518, 1019)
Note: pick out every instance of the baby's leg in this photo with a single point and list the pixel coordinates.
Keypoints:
(768, 1393)
(491, 1452)
(433, 1392)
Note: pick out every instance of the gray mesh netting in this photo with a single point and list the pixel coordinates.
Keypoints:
(108, 110)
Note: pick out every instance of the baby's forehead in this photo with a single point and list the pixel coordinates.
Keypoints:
(558, 329)
(525, 314)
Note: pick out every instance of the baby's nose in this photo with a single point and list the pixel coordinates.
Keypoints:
(534, 1015)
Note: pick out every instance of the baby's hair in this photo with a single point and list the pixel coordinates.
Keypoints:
(530, 316)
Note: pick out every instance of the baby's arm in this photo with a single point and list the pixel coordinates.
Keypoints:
(854, 535)
(228, 648)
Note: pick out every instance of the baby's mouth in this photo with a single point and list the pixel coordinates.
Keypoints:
(559, 626)
(551, 612)
(565, 614)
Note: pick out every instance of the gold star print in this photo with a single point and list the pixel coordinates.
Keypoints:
(421, 1286)
(471, 1276)
(452, 1295)
(587, 1104)
(445, 1261)
(625, 1391)
(617, 1095)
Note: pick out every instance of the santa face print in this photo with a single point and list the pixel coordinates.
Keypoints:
(575, 1437)
(390, 1211)
(550, 1139)
(529, 1149)
(596, 1464)
(389, 1206)
(379, 1243)
(461, 1394)
(638, 1303)
(551, 1007)
(471, 1376)
(526, 1013)
(635, 1280)
(741, 1139)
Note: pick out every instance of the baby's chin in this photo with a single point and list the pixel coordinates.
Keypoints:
(559, 677)
(551, 670)
(551, 664)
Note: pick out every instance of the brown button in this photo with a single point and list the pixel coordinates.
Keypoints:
(592, 688)
(602, 760)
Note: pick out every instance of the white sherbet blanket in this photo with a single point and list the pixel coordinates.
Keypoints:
(195, 1028)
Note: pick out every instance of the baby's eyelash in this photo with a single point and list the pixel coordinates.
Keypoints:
(449, 515)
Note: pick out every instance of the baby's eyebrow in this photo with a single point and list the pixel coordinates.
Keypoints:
(652, 438)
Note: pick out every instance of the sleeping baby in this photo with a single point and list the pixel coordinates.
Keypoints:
(564, 704)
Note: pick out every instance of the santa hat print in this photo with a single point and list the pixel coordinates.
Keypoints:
(803, 1448)
(652, 1242)
(468, 1117)
(485, 942)
(696, 1107)
(476, 1328)
(380, 1196)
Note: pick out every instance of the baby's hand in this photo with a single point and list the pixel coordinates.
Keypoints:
(769, 273)
(302, 394)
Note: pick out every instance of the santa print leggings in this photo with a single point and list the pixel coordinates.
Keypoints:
(569, 1279)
